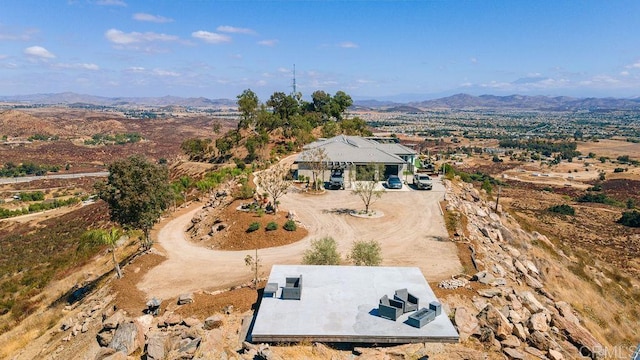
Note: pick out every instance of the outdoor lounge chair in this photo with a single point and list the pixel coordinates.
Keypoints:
(389, 308)
(410, 302)
(292, 289)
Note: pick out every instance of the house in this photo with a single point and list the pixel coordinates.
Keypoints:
(356, 155)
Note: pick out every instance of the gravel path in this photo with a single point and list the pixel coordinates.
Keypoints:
(411, 233)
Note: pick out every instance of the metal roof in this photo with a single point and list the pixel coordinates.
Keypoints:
(355, 149)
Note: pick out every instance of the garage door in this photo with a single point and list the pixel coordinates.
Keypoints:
(390, 170)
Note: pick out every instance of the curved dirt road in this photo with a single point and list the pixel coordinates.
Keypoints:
(410, 234)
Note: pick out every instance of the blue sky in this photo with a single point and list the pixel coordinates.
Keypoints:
(401, 50)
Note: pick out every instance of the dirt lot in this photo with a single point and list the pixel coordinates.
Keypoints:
(411, 232)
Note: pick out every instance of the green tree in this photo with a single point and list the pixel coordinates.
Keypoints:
(248, 107)
(322, 103)
(110, 238)
(366, 253)
(366, 186)
(322, 252)
(339, 104)
(283, 105)
(137, 192)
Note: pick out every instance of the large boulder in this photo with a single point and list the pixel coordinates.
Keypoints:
(578, 335)
(213, 322)
(186, 298)
(466, 323)
(492, 318)
(112, 321)
(127, 338)
(156, 346)
(539, 322)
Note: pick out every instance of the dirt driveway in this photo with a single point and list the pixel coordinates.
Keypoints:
(411, 232)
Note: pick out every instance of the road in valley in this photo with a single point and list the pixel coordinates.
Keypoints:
(23, 179)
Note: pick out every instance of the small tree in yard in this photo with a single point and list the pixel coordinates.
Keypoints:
(274, 182)
(316, 159)
(367, 190)
(254, 263)
(137, 192)
(366, 253)
(322, 252)
(110, 238)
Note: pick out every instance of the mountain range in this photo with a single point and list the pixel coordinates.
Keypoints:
(454, 102)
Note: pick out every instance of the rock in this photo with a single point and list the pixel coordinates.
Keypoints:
(535, 352)
(513, 353)
(466, 323)
(186, 298)
(489, 293)
(498, 282)
(519, 331)
(530, 302)
(118, 355)
(104, 338)
(577, 334)
(213, 322)
(520, 267)
(483, 277)
(514, 317)
(539, 322)
(67, 324)
(112, 321)
(127, 338)
(555, 355)
(104, 353)
(291, 215)
(189, 346)
(511, 341)
(496, 321)
(156, 346)
(539, 340)
(227, 309)
(567, 312)
(532, 282)
(144, 323)
(191, 322)
(85, 327)
(531, 267)
(171, 319)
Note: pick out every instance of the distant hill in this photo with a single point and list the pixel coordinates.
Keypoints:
(454, 102)
(523, 102)
(69, 98)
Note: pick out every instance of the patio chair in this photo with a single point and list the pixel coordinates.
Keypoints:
(410, 302)
(389, 308)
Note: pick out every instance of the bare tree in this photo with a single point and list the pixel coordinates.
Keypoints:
(274, 181)
(255, 263)
(316, 159)
(367, 188)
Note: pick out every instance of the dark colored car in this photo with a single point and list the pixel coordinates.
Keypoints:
(394, 182)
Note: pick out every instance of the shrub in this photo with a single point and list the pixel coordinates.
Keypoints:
(253, 227)
(618, 170)
(271, 226)
(322, 252)
(290, 225)
(630, 218)
(244, 192)
(562, 209)
(366, 253)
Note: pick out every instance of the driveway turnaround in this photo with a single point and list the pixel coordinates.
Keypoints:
(411, 233)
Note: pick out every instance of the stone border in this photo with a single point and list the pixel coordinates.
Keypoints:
(371, 215)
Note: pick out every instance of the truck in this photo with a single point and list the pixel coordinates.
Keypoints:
(336, 180)
(422, 181)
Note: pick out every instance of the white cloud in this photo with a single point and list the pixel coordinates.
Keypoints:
(236, 56)
(210, 37)
(283, 70)
(234, 30)
(135, 69)
(261, 83)
(348, 45)
(635, 65)
(26, 35)
(119, 37)
(111, 3)
(38, 52)
(270, 42)
(160, 72)
(2, 56)
(80, 66)
(473, 60)
(624, 73)
(151, 18)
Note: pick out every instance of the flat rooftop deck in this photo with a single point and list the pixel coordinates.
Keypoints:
(340, 304)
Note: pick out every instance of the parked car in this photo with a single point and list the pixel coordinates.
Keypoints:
(336, 181)
(394, 182)
(422, 182)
